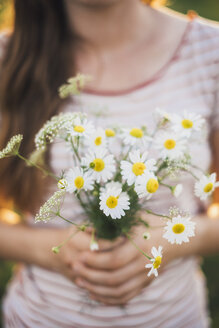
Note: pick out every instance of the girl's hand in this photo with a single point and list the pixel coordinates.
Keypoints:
(116, 276)
(63, 262)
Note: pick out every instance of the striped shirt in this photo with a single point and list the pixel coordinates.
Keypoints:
(40, 298)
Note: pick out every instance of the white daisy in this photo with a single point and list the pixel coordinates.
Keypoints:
(114, 202)
(62, 184)
(156, 261)
(110, 185)
(146, 235)
(134, 136)
(187, 123)
(179, 229)
(100, 164)
(97, 139)
(138, 165)
(205, 186)
(177, 190)
(146, 185)
(94, 246)
(162, 116)
(81, 127)
(77, 180)
(110, 133)
(170, 145)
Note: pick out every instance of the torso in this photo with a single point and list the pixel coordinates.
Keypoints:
(176, 298)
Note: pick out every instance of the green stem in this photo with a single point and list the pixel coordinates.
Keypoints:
(198, 168)
(166, 185)
(156, 214)
(136, 246)
(125, 157)
(190, 172)
(76, 151)
(29, 163)
(66, 220)
(143, 222)
(57, 248)
(164, 177)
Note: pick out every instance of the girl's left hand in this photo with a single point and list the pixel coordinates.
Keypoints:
(117, 275)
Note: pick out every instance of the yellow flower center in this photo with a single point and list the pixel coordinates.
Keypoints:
(178, 228)
(169, 144)
(98, 164)
(79, 128)
(157, 262)
(152, 185)
(208, 187)
(137, 133)
(79, 182)
(62, 184)
(110, 133)
(98, 141)
(187, 124)
(138, 168)
(111, 202)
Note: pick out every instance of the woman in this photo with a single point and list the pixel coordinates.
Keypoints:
(139, 58)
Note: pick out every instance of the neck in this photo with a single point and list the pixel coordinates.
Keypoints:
(109, 23)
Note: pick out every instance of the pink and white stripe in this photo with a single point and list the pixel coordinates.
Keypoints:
(40, 298)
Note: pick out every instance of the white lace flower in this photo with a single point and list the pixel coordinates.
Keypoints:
(179, 229)
(146, 235)
(134, 136)
(170, 145)
(156, 261)
(94, 246)
(97, 139)
(138, 165)
(12, 146)
(77, 180)
(146, 185)
(187, 123)
(177, 190)
(57, 126)
(162, 116)
(51, 207)
(74, 85)
(100, 164)
(114, 202)
(81, 127)
(205, 186)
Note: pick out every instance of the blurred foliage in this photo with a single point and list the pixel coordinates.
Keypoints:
(208, 9)
(5, 274)
(205, 8)
(6, 14)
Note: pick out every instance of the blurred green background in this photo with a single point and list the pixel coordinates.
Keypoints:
(205, 8)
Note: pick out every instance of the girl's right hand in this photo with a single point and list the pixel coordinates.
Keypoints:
(63, 262)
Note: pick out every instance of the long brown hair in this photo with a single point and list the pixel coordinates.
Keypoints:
(37, 60)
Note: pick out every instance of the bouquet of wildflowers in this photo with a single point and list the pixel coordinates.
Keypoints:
(117, 170)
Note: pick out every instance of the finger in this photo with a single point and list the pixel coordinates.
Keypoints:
(114, 259)
(82, 242)
(114, 292)
(109, 278)
(105, 245)
(117, 301)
